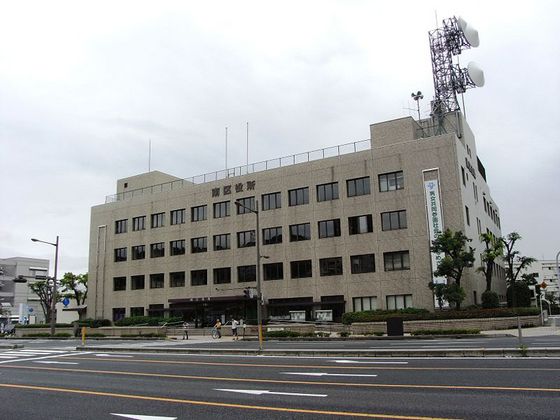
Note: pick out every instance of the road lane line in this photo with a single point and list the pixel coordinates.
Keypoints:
(265, 392)
(287, 382)
(24, 359)
(217, 404)
(357, 375)
(184, 362)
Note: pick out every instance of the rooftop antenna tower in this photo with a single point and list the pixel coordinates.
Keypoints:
(446, 43)
(417, 96)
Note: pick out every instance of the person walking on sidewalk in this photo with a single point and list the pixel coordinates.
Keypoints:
(185, 330)
(234, 325)
(218, 327)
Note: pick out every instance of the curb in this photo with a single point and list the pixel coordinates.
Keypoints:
(481, 352)
(382, 338)
(11, 346)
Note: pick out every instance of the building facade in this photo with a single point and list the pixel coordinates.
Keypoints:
(341, 229)
(16, 298)
(546, 273)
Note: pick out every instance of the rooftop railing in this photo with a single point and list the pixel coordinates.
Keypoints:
(328, 152)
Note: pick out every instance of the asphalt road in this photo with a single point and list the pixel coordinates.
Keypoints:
(53, 381)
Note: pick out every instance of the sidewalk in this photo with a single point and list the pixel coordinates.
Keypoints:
(526, 332)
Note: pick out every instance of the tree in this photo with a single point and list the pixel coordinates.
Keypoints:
(456, 257)
(75, 287)
(439, 292)
(44, 291)
(512, 257)
(494, 250)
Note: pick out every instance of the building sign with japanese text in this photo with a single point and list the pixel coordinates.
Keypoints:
(238, 187)
(435, 222)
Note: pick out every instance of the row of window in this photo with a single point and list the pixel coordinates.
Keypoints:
(299, 196)
(300, 232)
(333, 266)
(361, 303)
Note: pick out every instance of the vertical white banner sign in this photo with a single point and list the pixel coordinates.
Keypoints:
(435, 222)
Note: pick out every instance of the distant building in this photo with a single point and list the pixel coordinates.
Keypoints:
(546, 273)
(346, 228)
(17, 298)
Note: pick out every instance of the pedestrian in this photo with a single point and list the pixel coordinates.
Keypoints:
(218, 326)
(76, 329)
(185, 330)
(234, 325)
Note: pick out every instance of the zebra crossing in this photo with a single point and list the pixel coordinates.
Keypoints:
(22, 355)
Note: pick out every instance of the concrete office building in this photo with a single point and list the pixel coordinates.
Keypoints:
(547, 273)
(341, 229)
(17, 299)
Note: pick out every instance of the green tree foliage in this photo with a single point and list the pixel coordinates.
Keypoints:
(511, 257)
(42, 289)
(490, 299)
(494, 249)
(75, 286)
(456, 257)
(439, 292)
(522, 295)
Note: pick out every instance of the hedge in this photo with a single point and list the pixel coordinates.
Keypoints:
(147, 320)
(412, 314)
(18, 326)
(452, 331)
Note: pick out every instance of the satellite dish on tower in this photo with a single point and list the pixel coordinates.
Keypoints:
(476, 74)
(471, 34)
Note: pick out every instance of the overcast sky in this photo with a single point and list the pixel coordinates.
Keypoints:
(83, 89)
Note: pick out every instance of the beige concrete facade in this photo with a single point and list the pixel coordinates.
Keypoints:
(398, 145)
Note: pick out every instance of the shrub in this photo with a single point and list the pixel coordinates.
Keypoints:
(152, 321)
(18, 326)
(45, 334)
(490, 299)
(452, 331)
(522, 294)
(142, 335)
(344, 334)
(411, 314)
(282, 333)
(62, 334)
(95, 323)
(93, 335)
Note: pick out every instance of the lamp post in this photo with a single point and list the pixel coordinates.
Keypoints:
(53, 294)
(258, 269)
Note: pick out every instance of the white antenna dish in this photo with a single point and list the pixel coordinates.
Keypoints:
(476, 74)
(471, 34)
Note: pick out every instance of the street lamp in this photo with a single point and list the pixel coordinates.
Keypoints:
(53, 297)
(258, 269)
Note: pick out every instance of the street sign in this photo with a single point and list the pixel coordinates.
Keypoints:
(66, 301)
(543, 285)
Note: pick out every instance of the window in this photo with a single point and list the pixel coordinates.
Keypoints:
(329, 228)
(177, 247)
(301, 232)
(221, 242)
(391, 181)
(156, 281)
(365, 303)
(394, 261)
(463, 176)
(137, 311)
(119, 283)
(467, 214)
(222, 275)
(245, 205)
(330, 266)
(199, 245)
(157, 250)
(158, 220)
(245, 239)
(156, 310)
(475, 192)
(301, 269)
(199, 213)
(177, 217)
(138, 252)
(478, 226)
(246, 273)
(271, 201)
(120, 254)
(273, 271)
(362, 263)
(199, 277)
(393, 220)
(360, 224)
(118, 313)
(327, 192)
(272, 235)
(177, 279)
(120, 226)
(137, 282)
(399, 302)
(298, 196)
(358, 186)
(221, 209)
(139, 223)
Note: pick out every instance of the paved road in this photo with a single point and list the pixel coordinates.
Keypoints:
(50, 381)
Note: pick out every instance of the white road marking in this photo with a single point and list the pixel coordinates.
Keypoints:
(359, 375)
(112, 355)
(141, 417)
(55, 363)
(264, 391)
(368, 362)
(23, 357)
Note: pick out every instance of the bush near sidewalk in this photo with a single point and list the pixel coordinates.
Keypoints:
(453, 331)
(413, 314)
(147, 320)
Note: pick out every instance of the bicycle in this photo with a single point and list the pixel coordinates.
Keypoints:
(215, 333)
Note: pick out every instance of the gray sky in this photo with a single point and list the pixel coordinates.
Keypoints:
(84, 88)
